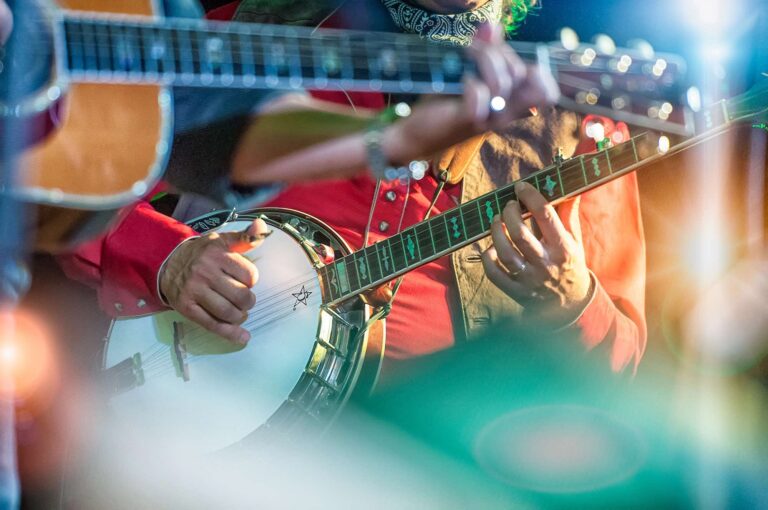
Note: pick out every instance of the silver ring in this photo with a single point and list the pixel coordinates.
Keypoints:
(523, 265)
(498, 104)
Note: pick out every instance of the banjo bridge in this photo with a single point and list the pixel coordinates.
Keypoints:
(179, 353)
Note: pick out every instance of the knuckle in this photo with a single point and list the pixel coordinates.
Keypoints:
(549, 214)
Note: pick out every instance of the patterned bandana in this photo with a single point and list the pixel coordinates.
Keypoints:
(449, 29)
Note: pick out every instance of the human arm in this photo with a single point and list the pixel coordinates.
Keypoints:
(149, 261)
(593, 279)
(272, 149)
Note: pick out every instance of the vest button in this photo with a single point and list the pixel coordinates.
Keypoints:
(383, 226)
(390, 196)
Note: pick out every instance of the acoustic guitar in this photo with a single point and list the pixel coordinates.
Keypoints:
(90, 82)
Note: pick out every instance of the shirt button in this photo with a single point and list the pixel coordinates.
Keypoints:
(141, 303)
(119, 307)
(383, 226)
(390, 196)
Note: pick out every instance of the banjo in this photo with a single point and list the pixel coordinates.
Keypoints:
(309, 340)
(90, 82)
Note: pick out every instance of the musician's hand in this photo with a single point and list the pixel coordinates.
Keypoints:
(207, 280)
(6, 22)
(548, 276)
(503, 77)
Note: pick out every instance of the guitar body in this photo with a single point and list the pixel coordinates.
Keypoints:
(104, 145)
(170, 379)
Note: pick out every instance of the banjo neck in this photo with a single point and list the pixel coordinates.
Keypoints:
(471, 221)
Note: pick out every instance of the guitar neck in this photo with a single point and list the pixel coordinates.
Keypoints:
(184, 52)
(454, 229)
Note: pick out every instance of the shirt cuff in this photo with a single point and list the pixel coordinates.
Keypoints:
(160, 294)
(597, 318)
(593, 284)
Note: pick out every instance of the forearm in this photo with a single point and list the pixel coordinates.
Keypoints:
(614, 326)
(122, 266)
(318, 141)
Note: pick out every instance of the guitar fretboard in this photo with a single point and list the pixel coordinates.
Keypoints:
(456, 228)
(196, 53)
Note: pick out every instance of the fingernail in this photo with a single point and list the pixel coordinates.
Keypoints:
(244, 337)
(259, 237)
(520, 186)
(496, 219)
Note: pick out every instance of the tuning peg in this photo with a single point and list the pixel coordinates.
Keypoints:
(604, 44)
(569, 38)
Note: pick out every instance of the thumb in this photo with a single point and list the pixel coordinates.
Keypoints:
(569, 214)
(247, 239)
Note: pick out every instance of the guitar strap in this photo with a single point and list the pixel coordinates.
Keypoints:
(454, 162)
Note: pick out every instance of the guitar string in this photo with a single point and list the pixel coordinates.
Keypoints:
(246, 58)
(238, 45)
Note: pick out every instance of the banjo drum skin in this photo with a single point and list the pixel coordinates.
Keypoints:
(168, 378)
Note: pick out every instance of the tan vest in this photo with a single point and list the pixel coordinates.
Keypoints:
(524, 147)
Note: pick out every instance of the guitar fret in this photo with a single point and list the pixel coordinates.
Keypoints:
(431, 238)
(374, 268)
(104, 44)
(583, 170)
(362, 268)
(389, 265)
(329, 279)
(341, 272)
(608, 160)
(411, 243)
(473, 222)
(351, 268)
(89, 48)
(399, 257)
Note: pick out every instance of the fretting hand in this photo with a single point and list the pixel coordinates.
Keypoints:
(548, 276)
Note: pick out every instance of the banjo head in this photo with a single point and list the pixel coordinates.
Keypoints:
(169, 379)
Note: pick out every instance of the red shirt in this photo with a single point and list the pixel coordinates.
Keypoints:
(123, 265)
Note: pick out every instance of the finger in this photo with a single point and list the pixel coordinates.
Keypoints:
(521, 235)
(220, 307)
(492, 68)
(247, 239)
(231, 332)
(505, 250)
(235, 292)
(539, 87)
(569, 212)
(546, 217)
(489, 32)
(477, 101)
(499, 277)
(239, 268)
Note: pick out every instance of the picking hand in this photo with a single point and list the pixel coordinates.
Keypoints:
(208, 281)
